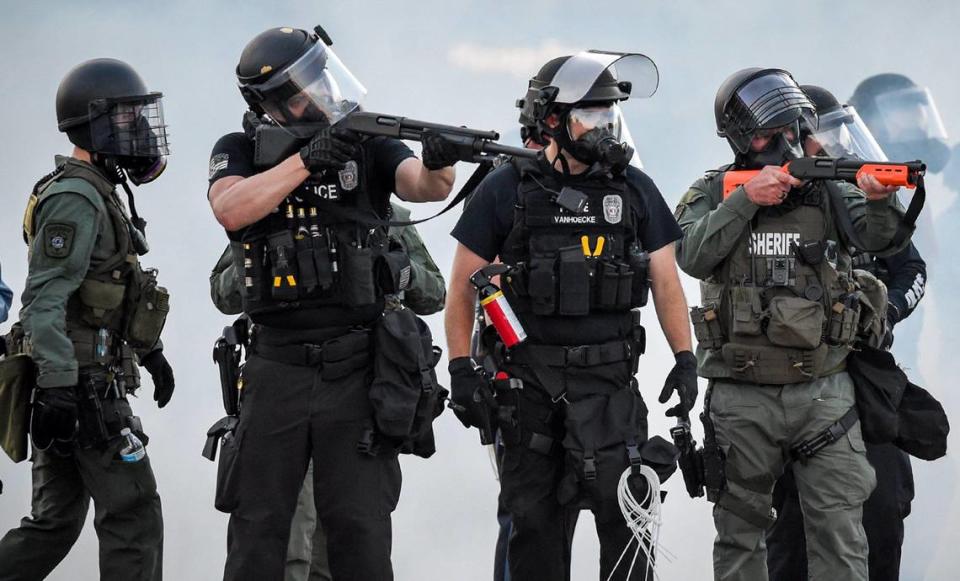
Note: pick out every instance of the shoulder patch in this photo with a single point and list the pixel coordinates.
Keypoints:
(217, 163)
(58, 240)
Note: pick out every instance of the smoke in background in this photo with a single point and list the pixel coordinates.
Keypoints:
(460, 63)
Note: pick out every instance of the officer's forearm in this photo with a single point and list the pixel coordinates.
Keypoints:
(458, 316)
(415, 183)
(459, 310)
(669, 301)
(239, 203)
(709, 235)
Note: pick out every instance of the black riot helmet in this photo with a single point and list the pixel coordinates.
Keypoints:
(584, 88)
(904, 118)
(105, 108)
(295, 78)
(756, 101)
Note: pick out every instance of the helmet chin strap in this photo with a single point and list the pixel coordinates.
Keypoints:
(117, 175)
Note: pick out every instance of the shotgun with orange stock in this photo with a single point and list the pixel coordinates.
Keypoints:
(905, 174)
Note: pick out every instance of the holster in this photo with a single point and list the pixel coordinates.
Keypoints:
(712, 457)
(691, 459)
(227, 353)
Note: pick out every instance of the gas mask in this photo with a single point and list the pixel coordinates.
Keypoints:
(601, 143)
(784, 145)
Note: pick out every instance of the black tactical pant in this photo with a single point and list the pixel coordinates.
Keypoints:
(883, 515)
(127, 514)
(290, 414)
(533, 484)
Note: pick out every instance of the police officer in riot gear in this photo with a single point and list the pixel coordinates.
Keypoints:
(586, 235)
(90, 314)
(777, 321)
(904, 119)
(315, 268)
(307, 551)
(841, 133)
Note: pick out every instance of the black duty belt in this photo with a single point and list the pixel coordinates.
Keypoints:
(575, 356)
(314, 355)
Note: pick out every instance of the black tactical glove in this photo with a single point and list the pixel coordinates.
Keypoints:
(683, 380)
(330, 148)
(161, 373)
(54, 416)
(438, 151)
(470, 396)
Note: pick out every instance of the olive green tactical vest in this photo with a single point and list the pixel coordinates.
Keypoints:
(784, 299)
(100, 300)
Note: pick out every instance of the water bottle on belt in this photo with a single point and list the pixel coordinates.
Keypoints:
(133, 450)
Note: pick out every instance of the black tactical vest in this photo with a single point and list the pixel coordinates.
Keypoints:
(307, 264)
(577, 274)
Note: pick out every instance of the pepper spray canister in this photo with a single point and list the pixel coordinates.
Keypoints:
(495, 306)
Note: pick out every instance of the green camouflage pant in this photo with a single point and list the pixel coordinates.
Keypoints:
(756, 426)
(307, 551)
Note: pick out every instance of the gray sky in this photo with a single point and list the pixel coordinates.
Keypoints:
(462, 63)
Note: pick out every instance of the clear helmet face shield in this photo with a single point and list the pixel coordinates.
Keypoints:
(608, 120)
(577, 75)
(317, 88)
(842, 133)
(909, 115)
(129, 127)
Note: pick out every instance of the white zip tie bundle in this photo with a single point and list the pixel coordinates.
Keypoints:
(643, 520)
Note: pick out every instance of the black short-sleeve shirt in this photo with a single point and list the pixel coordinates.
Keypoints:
(488, 217)
(233, 155)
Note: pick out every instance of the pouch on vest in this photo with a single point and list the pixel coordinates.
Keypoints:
(773, 365)
(17, 379)
(844, 316)
(404, 392)
(614, 285)
(321, 262)
(248, 260)
(149, 313)
(357, 275)
(795, 322)
(306, 265)
(281, 251)
(603, 437)
(541, 285)
(747, 311)
(639, 262)
(100, 300)
(394, 269)
(706, 319)
(129, 372)
(574, 279)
